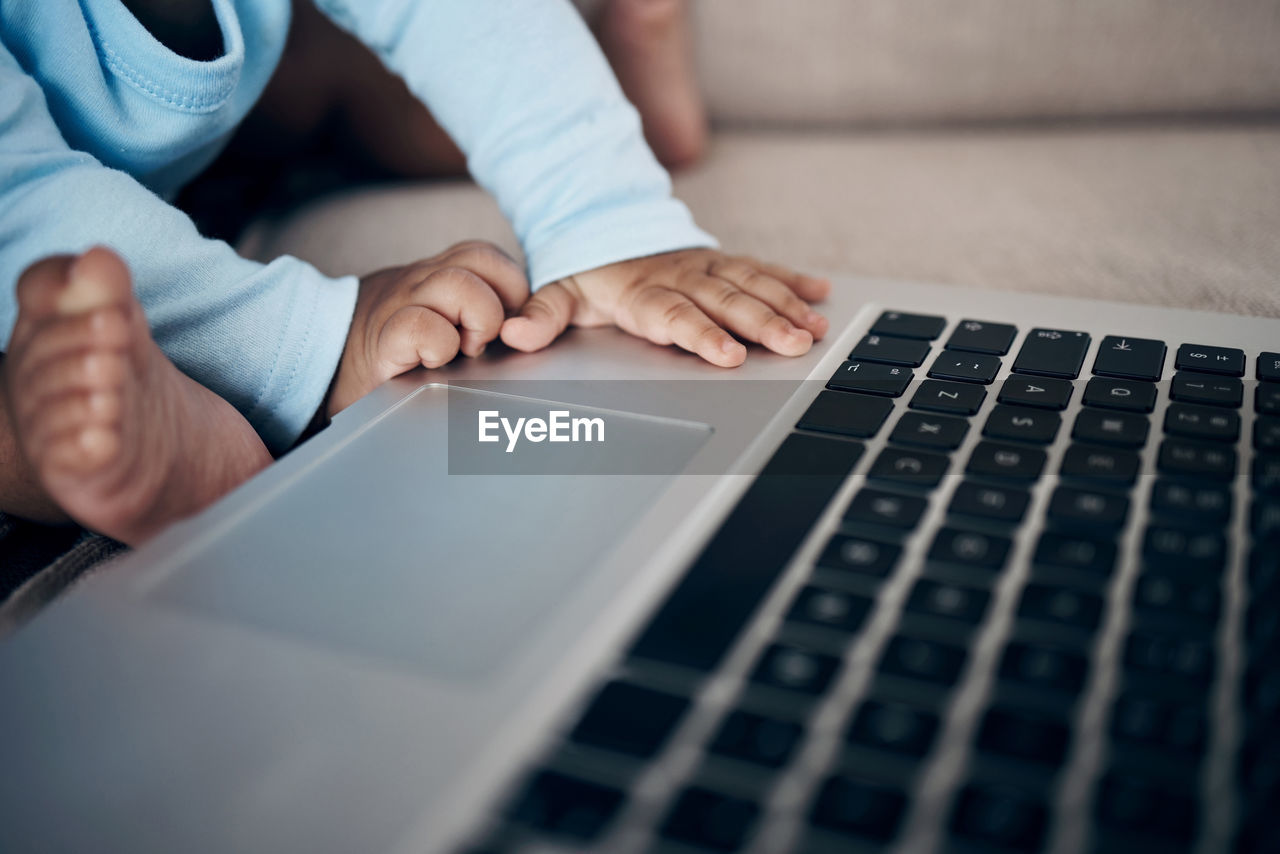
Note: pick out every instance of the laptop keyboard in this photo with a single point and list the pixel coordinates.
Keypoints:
(928, 681)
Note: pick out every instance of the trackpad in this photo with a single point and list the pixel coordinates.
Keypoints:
(423, 543)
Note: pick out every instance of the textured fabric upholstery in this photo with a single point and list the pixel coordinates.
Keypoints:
(1183, 216)
(841, 62)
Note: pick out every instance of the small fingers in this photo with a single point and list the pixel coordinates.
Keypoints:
(737, 310)
(494, 266)
(465, 300)
(664, 316)
(808, 288)
(774, 292)
(415, 336)
(541, 320)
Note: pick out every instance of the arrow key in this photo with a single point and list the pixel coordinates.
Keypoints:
(1130, 358)
(966, 367)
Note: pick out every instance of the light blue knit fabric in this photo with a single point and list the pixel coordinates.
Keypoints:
(100, 124)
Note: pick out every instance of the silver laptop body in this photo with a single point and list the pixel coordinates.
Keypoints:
(373, 645)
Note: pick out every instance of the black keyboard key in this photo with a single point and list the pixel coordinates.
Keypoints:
(1145, 808)
(1022, 424)
(707, 819)
(795, 669)
(704, 614)
(1052, 353)
(1111, 428)
(893, 727)
(1169, 727)
(1227, 361)
(996, 503)
(979, 336)
(1175, 599)
(1264, 519)
(1211, 391)
(1163, 657)
(1130, 358)
(1088, 508)
(939, 432)
(1204, 550)
(831, 609)
(1004, 816)
(926, 660)
(1023, 735)
(954, 398)
(1266, 434)
(970, 549)
(890, 350)
(565, 806)
(909, 468)
(1060, 606)
(923, 326)
(871, 378)
(936, 432)
(1126, 395)
(858, 808)
(891, 509)
(858, 555)
(1266, 399)
(1042, 393)
(948, 601)
(1072, 552)
(1268, 367)
(1195, 503)
(1104, 467)
(999, 460)
(843, 414)
(629, 719)
(1201, 422)
(965, 367)
(1265, 474)
(1043, 668)
(754, 738)
(1185, 458)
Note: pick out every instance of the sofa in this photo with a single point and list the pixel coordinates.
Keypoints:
(1121, 149)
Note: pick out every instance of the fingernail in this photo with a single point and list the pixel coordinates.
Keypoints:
(480, 352)
(731, 346)
(812, 317)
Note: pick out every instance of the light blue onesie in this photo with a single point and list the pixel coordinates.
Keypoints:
(100, 124)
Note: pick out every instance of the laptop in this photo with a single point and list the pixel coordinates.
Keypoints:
(981, 572)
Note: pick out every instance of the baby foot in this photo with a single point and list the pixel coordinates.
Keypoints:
(120, 439)
(650, 45)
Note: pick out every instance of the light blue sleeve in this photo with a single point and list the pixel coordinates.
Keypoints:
(265, 338)
(526, 93)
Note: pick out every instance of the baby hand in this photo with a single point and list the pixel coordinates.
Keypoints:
(424, 314)
(693, 299)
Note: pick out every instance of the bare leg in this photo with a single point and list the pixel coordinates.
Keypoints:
(328, 78)
(114, 433)
(650, 45)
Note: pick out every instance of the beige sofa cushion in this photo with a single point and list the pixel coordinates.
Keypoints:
(1186, 217)
(841, 62)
